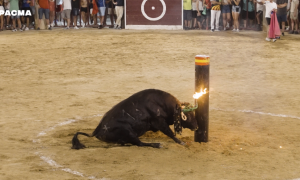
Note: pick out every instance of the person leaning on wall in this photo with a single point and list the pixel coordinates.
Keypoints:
(119, 11)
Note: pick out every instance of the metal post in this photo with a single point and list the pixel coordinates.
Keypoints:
(202, 82)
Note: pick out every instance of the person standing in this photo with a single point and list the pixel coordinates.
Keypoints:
(200, 16)
(119, 11)
(215, 14)
(83, 11)
(281, 13)
(194, 13)
(250, 10)
(1, 16)
(187, 14)
(14, 6)
(236, 10)
(26, 18)
(271, 7)
(43, 9)
(75, 12)
(259, 13)
(111, 12)
(226, 12)
(101, 9)
(51, 12)
(207, 6)
(66, 13)
(294, 17)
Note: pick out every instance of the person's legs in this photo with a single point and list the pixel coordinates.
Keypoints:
(83, 17)
(19, 23)
(224, 20)
(237, 20)
(228, 18)
(13, 23)
(212, 19)
(40, 17)
(1, 20)
(218, 14)
(51, 18)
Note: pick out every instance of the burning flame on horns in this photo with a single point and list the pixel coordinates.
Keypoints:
(199, 94)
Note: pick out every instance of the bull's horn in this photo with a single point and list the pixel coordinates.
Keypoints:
(183, 116)
(187, 109)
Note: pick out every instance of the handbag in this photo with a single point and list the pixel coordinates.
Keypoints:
(204, 11)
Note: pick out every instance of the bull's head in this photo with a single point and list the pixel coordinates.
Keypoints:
(188, 119)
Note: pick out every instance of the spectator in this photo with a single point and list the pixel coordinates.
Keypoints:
(215, 14)
(281, 13)
(236, 10)
(207, 10)
(91, 7)
(226, 13)
(187, 13)
(84, 11)
(251, 14)
(200, 16)
(270, 7)
(288, 15)
(26, 18)
(32, 7)
(119, 11)
(1, 16)
(194, 13)
(66, 13)
(75, 12)
(52, 12)
(294, 17)
(7, 7)
(111, 12)
(101, 9)
(14, 6)
(58, 11)
(43, 9)
(259, 13)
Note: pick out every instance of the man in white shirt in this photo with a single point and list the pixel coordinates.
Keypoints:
(294, 16)
(271, 6)
(66, 13)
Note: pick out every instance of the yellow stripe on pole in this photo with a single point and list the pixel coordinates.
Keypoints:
(202, 60)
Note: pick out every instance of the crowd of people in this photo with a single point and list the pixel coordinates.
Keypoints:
(240, 14)
(61, 12)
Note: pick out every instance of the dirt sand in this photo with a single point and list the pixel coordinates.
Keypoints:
(56, 83)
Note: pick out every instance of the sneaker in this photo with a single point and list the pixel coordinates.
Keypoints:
(26, 29)
(296, 32)
(274, 40)
(23, 27)
(212, 30)
(268, 39)
(287, 28)
(76, 27)
(116, 26)
(291, 32)
(100, 26)
(217, 30)
(38, 28)
(237, 30)
(67, 27)
(282, 34)
(52, 24)
(83, 25)
(20, 30)
(234, 30)
(14, 30)
(119, 28)
(49, 28)
(224, 29)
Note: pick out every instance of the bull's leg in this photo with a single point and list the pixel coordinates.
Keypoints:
(133, 139)
(165, 128)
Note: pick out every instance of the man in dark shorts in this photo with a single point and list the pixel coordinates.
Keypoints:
(26, 7)
(187, 13)
(44, 10)
(282, 13)
(75, 11)
(84, 10)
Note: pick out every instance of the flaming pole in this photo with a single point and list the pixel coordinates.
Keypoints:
(202, 83)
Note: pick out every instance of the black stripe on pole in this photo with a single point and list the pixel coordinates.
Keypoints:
(202, 112)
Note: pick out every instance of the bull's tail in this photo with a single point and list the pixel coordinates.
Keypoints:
(75, 142)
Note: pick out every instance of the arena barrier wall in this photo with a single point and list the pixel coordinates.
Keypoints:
(153, 14)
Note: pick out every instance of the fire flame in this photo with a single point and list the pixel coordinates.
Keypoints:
(197, 95)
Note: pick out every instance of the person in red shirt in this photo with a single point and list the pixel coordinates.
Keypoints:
(43, 9)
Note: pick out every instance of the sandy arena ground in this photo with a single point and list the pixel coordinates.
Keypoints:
(56, 83)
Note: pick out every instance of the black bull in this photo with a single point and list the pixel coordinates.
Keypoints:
(146, 110)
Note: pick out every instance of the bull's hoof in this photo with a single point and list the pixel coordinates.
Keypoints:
(156, 145)
(182, 143)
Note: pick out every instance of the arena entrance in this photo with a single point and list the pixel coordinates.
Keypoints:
(153, 14)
